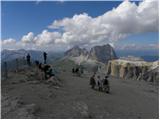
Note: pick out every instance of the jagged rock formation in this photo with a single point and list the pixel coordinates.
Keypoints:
(102, 53)
(98, 53)
(152, 76)
(76, 51)
(133, 69)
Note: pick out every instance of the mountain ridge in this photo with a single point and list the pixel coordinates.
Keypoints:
(102, 53)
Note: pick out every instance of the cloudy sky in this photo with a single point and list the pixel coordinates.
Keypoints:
(57, 26)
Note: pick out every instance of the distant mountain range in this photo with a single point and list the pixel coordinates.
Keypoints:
(9, 55)
(102, 54)
(150, 56)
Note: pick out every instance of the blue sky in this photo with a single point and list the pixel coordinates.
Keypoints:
(20, 18)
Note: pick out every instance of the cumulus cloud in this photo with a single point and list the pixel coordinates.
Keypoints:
(126, 19)
(46, 38)
(28, 38)
(84, 30)
(8, 41)
(10, 44)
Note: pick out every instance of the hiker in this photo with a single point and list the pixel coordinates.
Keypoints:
(73, 71)
(92, 81)
(106, 85)
(77, 70)
(45, 69)
(45, 57)
(41, 71)
(100, 83)
(81, 69)
(40, 66)
(28, 59)
(37, 63)
(48, 71)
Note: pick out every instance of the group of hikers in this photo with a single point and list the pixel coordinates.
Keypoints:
(45, 69)
(102, 84)
(77, 70)
(28, 58)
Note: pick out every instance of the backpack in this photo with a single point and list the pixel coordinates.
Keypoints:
(105, 82)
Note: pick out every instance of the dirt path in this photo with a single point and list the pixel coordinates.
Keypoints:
(75, 99)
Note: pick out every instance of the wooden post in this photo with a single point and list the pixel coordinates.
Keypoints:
(17, 65)
(24, 61)
(5, 70)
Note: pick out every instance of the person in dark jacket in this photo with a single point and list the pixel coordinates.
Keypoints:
(45, 57)
(92, 81)
(106, 85)
(73, 71)
(28, 59)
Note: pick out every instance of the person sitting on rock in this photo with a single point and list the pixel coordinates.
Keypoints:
(106, 85)
(77, 70)
(41, 71)
(48, 71)
(92, 81)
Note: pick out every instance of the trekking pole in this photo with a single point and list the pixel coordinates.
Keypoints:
(5, 70)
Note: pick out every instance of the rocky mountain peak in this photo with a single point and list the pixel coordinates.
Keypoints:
(102, 53)
(76, 51)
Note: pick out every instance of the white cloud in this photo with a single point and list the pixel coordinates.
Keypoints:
(126, 19)
(46, 38)
(28, 38)
(84, 30)
(8, 41)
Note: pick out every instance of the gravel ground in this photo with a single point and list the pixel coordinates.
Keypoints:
(23, 93)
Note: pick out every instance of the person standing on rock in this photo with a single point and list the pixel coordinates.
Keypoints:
(92, 81)
(45, 57)
(28, 59)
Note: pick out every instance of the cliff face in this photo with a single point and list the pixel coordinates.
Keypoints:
(152, 76)
(138, 70)
(102, 53)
